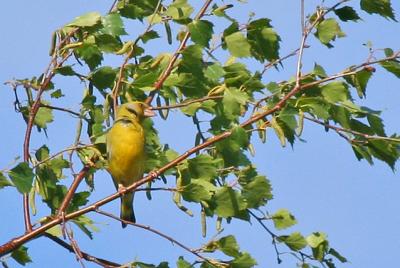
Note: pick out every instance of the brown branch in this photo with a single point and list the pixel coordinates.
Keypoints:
(116, 88)
(47, 77)
(113, 5)
(73, 148)
(64, 110)
(275, 237)
(154, 231)
(186, 103)
(71, 191)
(165, 74)
(339, 130)
(274, 62)
(75, 247)
(86, 256)
(20, 240)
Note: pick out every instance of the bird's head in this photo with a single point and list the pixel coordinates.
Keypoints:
(138, 110)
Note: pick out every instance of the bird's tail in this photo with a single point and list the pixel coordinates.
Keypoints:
(127, 209)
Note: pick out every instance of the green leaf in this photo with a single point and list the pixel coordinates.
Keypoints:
(90, 53)
(65, 70)
(103, 77)
(22, 177)
(294, 241)
(335, 92)
(191, 109)
(319, 71)
(230, 148)
(337, 255)
(263, 39)
(243, 261)
(86, 225)
(214, 71)
(384, 150)
(360, 81)
(327, 31)
(87, 20)
(149, 35)
(380, 7)
(283, 219)
(179, 10)
(392, 66)
(257, 192)
(376, 124)
(57, 94)
(43, 116)
(228, 202)
(145, 82)
(201, 32)
(388, 52)
(4, 182)
(362, 153)
(181, 263)
(278, 131)
(21, 256)
(137, 9)
(238, 45)
(229, 246)
(314, 105)
(233, 102)
(108, 43)
(236, 75)
(198, 190)
(315, 239)
(347, 13)
(203, 167)
(113, 25)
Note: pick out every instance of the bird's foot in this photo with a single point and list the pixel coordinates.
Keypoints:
(121, 189)
(153, 174)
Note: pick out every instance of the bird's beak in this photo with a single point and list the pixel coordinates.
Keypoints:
(148, 112)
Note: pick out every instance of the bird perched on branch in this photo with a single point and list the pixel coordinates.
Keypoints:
(125, 150)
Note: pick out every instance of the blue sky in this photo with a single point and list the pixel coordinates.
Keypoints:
(319, 181)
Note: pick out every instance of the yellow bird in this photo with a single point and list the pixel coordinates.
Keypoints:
(125, 150)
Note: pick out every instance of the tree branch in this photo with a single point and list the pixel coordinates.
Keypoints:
(86, 256)
(71, 191)
(116, 88)
(18, 241)
(154, 231)
(339, 130)
(187, 103)
(165, 74)
(47, 77)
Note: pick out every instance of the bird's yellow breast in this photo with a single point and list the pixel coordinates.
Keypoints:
(125, 147)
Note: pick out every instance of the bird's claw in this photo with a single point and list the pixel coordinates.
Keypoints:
(153, 174)
(121, 189)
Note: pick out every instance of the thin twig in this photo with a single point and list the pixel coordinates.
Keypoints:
(187, 103)
(171, 64)
(111, 9)
(86, 256)
(159, 233)
(64, 110)
(116, 88)
(47, 77)
(71, 191)
(20, 240)
(73, 148)
(339, 130)
(75, 247)
(277, 61)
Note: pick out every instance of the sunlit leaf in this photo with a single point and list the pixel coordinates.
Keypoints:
(22, 177)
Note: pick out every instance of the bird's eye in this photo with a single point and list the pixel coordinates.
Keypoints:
(132, 111)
